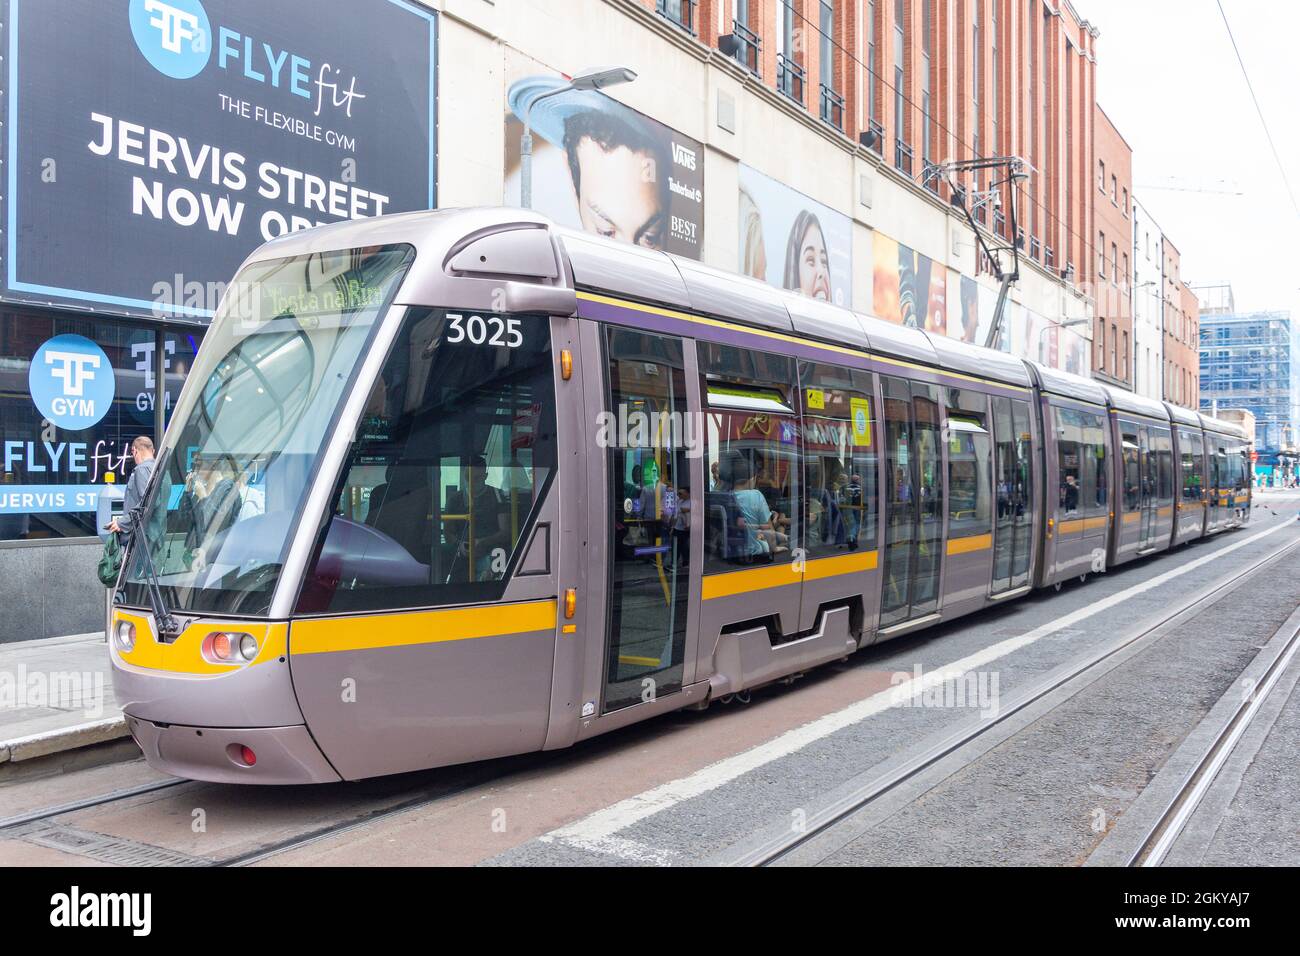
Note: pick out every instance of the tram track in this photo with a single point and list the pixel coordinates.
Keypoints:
(88, 803)
(819, 824)
(773, 851)
(1178, 809)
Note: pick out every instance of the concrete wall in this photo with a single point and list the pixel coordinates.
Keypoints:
(49, 590)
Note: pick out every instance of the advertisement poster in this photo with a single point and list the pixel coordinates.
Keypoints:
(909, 288)
(153, 144)
(794, 242)
(73, 395)
(966, 320)
(600, 166)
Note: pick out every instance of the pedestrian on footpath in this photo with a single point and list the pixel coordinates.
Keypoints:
(142, 455)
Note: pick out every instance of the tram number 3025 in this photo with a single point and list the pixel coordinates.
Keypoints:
(503, 333)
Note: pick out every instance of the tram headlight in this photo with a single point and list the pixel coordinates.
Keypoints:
(125, 636)
(229, 647)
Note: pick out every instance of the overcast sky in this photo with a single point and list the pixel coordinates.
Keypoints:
(1169, 80)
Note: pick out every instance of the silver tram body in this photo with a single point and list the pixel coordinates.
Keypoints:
(514, 486)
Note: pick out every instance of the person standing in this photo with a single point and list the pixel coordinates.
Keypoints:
(142, 456)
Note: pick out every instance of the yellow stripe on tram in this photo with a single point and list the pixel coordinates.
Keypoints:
(974, 542)
(328, 634)
(780, 575)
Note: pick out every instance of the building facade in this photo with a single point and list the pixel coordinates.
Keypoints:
(1112, 336)
(1148, 304)
(1252, 361)
(766, 124)
(1180, 354)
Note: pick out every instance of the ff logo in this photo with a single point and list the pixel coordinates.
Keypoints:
(173, 35)
(71, 382)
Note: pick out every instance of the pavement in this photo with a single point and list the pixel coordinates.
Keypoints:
(56, 695)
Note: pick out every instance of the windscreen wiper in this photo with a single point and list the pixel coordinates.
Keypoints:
(167, 624)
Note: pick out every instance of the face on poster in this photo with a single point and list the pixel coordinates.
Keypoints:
(967, 320)
(603, 167)
(909, 288)
(792, 241)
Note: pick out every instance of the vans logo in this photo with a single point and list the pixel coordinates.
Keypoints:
(74, 909)
(683, 156)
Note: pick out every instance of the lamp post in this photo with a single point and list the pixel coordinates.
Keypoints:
(1058, 325)
(586, 80)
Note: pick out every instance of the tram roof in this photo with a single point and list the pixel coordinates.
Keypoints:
(1067, 385)
(1126, 401)
(1221, 427)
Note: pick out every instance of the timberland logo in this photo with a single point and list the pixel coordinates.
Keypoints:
(75, 909)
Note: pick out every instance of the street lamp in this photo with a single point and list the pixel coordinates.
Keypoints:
(587, 80)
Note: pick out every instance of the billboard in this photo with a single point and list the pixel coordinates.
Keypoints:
(908, 288)
(152, 144)
(794, 242)
(600, 166)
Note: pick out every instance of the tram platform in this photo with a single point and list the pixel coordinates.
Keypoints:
(56, 695)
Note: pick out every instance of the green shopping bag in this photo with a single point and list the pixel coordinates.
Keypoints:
(110, 562)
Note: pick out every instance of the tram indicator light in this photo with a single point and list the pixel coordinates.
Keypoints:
(570, 603)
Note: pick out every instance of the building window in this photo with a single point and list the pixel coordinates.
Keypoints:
(745, 45)
(680, 12)
(832, 103)
(1101, 346)
(1114, 190)
(1101, 254)
(900, 124)
(1101, 175)
(873, 65)
(789, 74)
(1114, 263)
(1125, 202)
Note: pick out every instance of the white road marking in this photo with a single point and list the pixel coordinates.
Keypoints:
(597, 831)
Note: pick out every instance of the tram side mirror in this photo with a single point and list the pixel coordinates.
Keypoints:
(548, 299)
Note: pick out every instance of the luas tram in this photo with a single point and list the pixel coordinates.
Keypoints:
(452, 485)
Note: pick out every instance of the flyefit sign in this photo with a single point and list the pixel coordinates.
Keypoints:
(153, 144)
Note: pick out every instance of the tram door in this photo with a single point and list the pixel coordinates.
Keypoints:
(913, 501)
(1150, 480)
(650, 502)
(1013, 473)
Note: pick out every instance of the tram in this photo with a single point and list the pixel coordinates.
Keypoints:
(452, 485)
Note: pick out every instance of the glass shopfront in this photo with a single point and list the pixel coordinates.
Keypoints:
(75, 390)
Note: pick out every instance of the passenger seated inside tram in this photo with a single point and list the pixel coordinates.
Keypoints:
(486, 541)
(209, 505)
(1070, 494)
(826, 523)
(755, 516)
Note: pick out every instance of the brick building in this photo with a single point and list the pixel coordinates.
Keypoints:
(930, 81)
(1113, 330)
(1181, 333)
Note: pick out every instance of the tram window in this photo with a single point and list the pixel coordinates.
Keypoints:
(839, 458)
(752, 505)
(1095, 480)
(455, 450)
(651, 505)
(970, 450)
(1189, 444)
(1069, 449)
(1131, 450)
(1163, 443)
